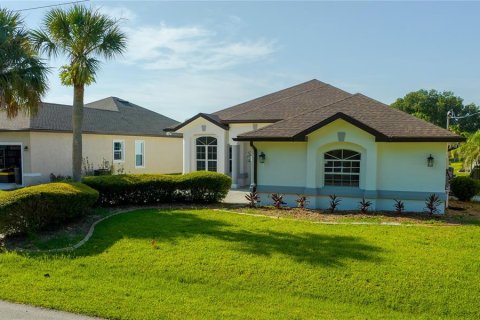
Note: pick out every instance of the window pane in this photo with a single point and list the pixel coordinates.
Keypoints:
(212, 165)
(200, 152)
(139, 160)
(200, 165)
(117, 155)
(342, 168)
(139, 153)
(212, 153)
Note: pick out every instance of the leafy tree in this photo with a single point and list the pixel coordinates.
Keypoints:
(82, 35)
(433, 106)
(23, 76)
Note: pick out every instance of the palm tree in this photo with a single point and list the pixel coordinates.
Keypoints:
(470, 150)
(23, 76)
(82, 35)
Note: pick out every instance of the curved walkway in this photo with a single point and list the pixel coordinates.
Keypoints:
(15, 311)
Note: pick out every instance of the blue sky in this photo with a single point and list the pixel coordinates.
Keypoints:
(190, 57)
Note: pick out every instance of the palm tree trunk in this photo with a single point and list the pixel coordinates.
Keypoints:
(77, 120)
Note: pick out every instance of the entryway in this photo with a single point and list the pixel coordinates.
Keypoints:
(10, 165)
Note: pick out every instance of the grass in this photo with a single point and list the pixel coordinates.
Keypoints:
(215, 264)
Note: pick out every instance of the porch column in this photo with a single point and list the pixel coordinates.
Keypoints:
(235, 165)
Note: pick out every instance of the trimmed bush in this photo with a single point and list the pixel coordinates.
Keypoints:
(464, 188)
(33, 208)
(144, 189)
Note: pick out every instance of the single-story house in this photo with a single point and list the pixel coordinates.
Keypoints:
(318, 140)
(115, 131)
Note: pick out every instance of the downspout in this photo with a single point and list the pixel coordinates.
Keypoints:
(253, 185)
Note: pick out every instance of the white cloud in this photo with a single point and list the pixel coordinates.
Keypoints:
(190, 47)
(119, 13)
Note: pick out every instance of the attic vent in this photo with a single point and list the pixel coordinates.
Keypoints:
(123, 101)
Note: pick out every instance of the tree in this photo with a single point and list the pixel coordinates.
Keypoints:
(82, 35)
(433, 106)
(23, 76)
(470, 150)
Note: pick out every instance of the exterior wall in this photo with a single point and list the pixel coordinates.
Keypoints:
(201, 127)
(387, 170)
(51, 152)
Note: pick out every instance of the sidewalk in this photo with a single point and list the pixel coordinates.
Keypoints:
(15, 311)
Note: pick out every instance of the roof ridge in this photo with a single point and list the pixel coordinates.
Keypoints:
(307, 112)
(272, 93)
(285, 98)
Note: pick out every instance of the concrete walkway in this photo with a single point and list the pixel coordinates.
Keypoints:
(15, 311)
(236, 197)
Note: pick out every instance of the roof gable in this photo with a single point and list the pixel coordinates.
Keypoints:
(209, 117)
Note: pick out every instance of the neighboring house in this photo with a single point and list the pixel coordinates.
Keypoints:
(318, 140)
(126, 135)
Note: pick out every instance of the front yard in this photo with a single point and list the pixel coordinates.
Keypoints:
(153, 264)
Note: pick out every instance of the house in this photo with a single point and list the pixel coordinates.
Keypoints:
(318, 140)
(115, 131)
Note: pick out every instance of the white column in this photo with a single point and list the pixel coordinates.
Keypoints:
(235, 165)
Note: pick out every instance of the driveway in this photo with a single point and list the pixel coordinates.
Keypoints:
(14, 311)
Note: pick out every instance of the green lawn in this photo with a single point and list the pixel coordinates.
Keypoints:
(213, 264)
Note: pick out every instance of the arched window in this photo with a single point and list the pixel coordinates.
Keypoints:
(206, 153)
(342, 168)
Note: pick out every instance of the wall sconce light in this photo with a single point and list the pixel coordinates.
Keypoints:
(25, 148)
(261, 157)
(430, 161)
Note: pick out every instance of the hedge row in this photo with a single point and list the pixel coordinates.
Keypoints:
(143, 189)
(33, 208)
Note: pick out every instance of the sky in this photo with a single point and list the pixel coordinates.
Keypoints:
(189, 57)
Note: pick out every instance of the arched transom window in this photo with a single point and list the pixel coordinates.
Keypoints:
(342, 168)
(206, 153)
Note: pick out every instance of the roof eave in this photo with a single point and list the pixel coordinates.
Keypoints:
(200, 115)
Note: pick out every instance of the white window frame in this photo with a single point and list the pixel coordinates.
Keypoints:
(206, 160)
(337, 167)
(123, 151)
(143, 155)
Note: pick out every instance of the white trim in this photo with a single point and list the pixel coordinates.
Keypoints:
(123, 151)
(21, 157)
(143, 155)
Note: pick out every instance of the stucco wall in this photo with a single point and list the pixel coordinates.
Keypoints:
(52, 152)
(388, 170)
(202, 127)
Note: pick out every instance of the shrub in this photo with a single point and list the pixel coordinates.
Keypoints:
(334, 202)
(399, 206)
(364, 205)
(144, 189)
(278, 200)
(464, 188)
(432, 203)
(33, 208)
(253, 198)
(302, 201)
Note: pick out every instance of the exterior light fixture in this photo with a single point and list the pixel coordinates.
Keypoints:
(430, 160)
(261, 157)
(25, 148)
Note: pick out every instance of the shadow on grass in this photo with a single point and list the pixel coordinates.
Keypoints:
(171, 226)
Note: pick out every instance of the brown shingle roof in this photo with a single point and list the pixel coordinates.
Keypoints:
(381, 120)
(107, 116)
(296, 111)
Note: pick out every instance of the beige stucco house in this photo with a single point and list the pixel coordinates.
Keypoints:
(114, 130)
(318, 140)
